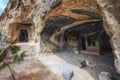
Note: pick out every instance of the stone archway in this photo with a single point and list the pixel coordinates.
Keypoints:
(22, 32)
(111, 30)
(67, 14)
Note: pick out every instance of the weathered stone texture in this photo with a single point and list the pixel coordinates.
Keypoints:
(51, 20)
(25, 12)
(111, 17)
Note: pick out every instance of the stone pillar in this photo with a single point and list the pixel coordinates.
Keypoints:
(110, 18)
(86, 42)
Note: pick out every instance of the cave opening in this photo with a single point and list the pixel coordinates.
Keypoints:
(23, 35)
(21, 32)
(88, 37)
(88, 42)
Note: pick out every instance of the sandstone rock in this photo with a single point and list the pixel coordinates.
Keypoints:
(105, 76)
(75, 50)
(54, 3)
(68, 74)
(36, 13)
(83, 64)
(117, 64)
(26, 2)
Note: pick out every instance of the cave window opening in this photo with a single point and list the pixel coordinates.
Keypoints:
(91, 42)
(23, 35)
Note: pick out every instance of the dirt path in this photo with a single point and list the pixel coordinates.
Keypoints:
(58, 66)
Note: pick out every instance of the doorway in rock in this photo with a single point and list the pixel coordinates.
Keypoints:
(83, 43)
(23, 35)
(22, 32)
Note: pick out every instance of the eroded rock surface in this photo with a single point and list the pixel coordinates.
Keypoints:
(30, 69)
(57, 25)
(105, 76)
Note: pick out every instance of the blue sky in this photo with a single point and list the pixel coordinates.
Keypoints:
(3, 4)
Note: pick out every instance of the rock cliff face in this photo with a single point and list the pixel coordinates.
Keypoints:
(60, 24)
(25, 15)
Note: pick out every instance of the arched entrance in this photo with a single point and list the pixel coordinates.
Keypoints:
(102, 43)
(23, 35)
(22, 32)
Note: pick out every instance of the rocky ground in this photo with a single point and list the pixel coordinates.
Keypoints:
(29, 69)
(62, 66)
(94, 64)
(45, 67)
